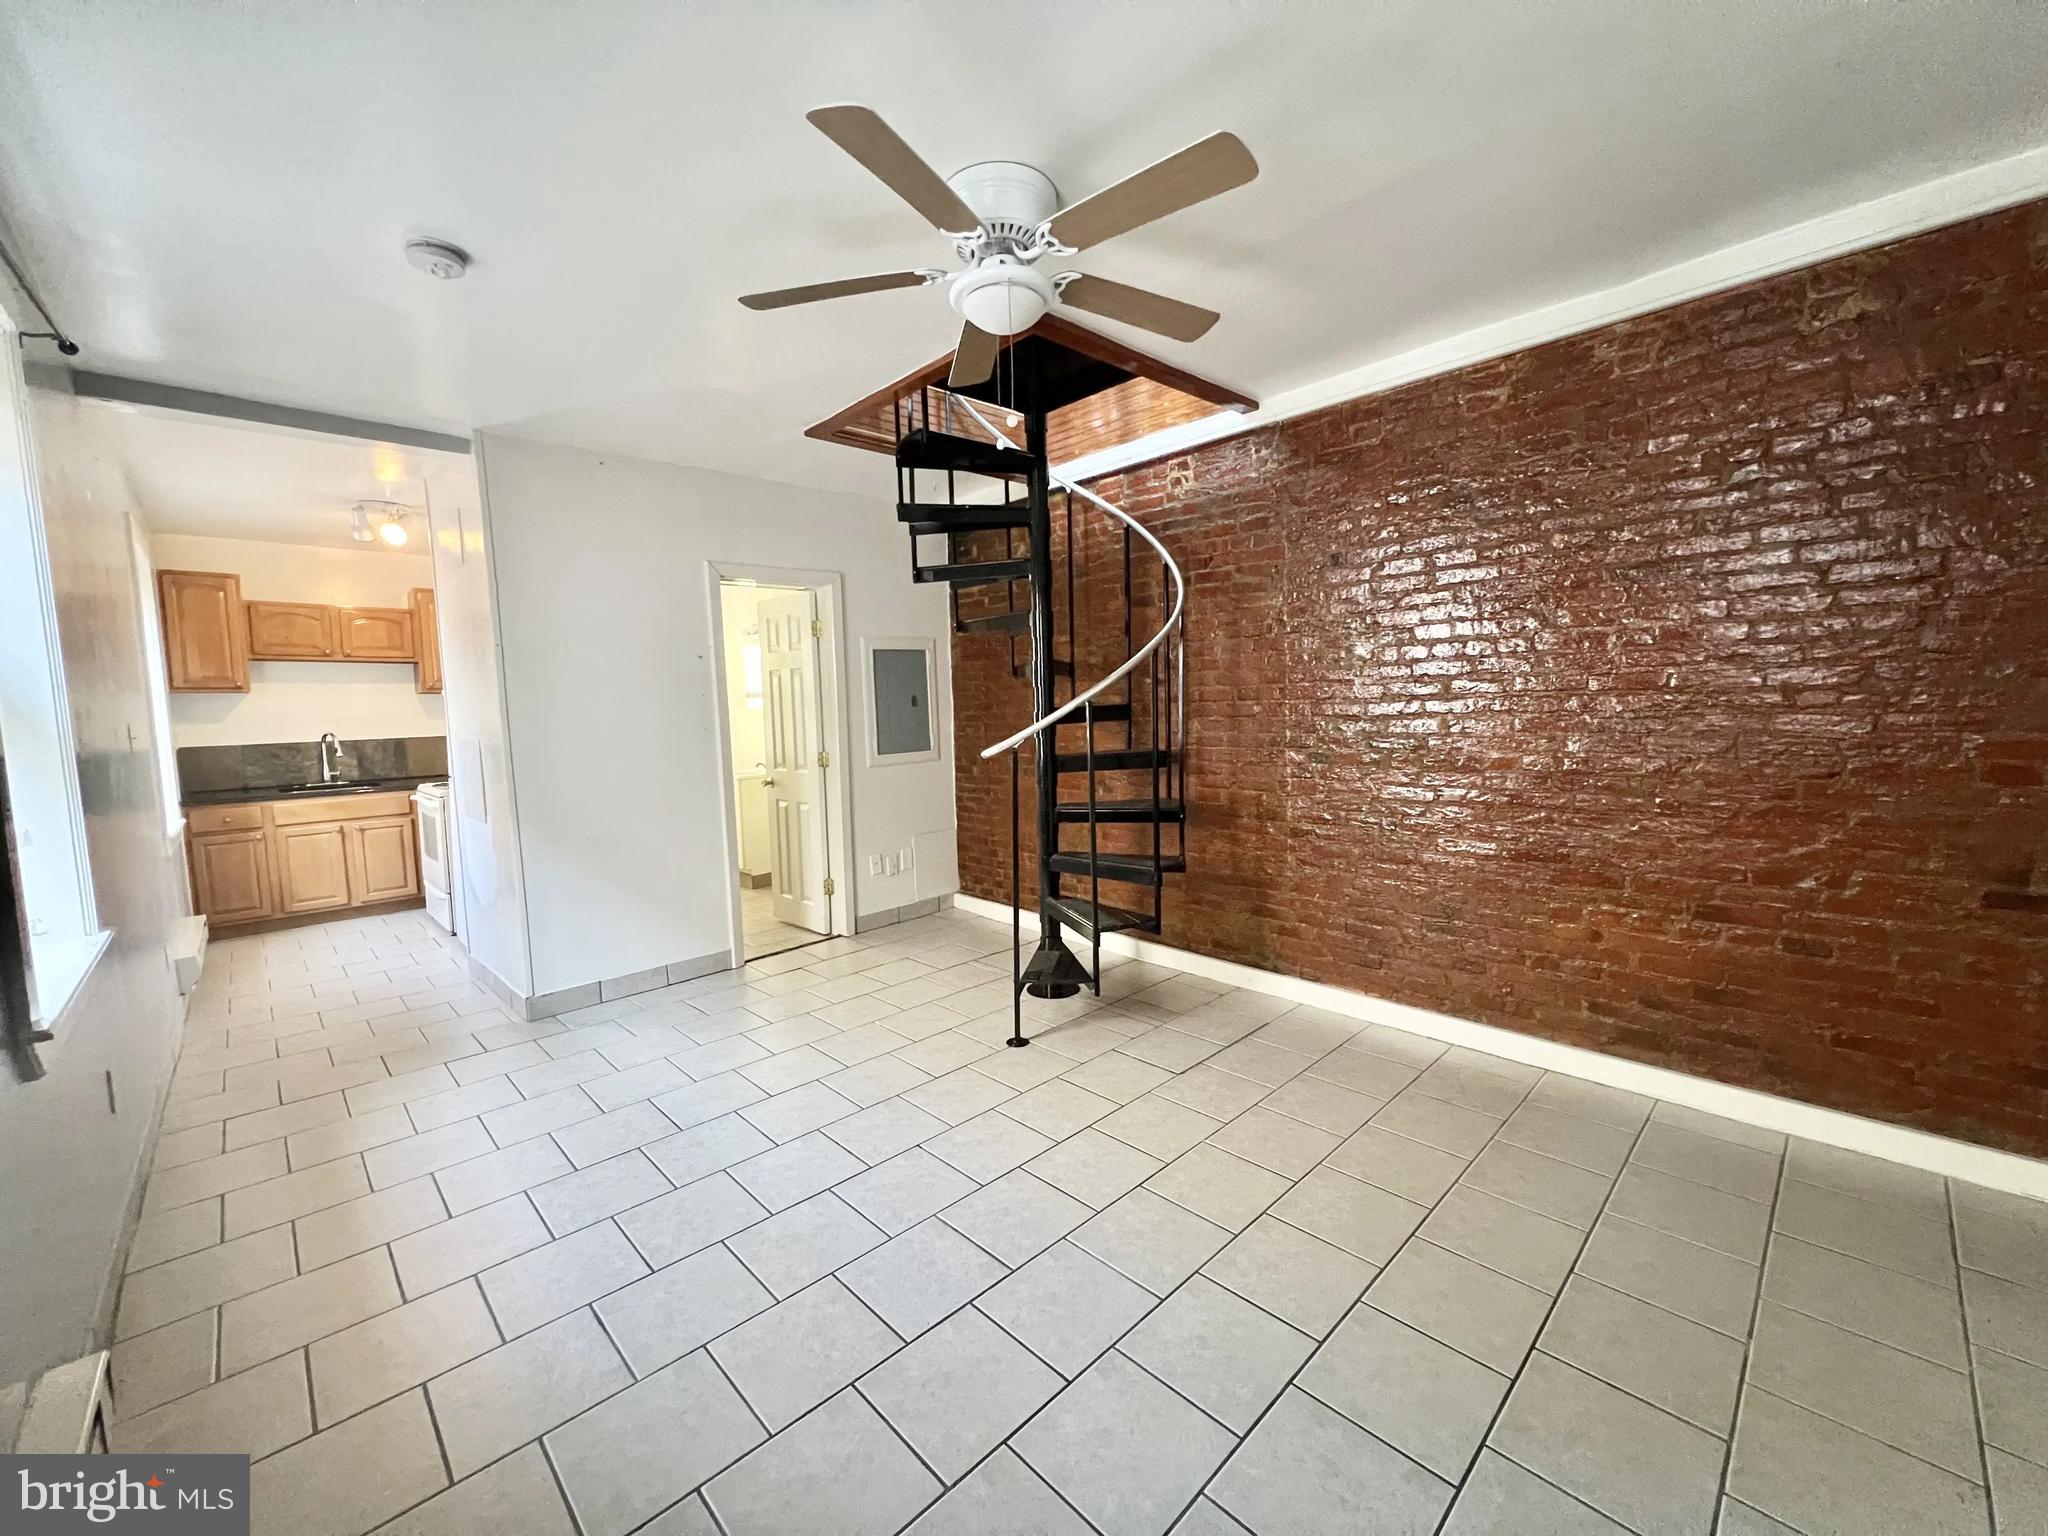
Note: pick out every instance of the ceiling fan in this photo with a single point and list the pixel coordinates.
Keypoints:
(1004, 217)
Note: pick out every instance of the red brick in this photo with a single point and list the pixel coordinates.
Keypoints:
(1678, 690)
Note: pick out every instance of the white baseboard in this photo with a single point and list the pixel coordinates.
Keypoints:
(1894, 1143)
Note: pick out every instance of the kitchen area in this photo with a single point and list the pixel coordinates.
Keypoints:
(301, 668)
(289, 829)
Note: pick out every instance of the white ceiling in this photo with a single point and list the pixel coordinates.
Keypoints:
(215, 196)
(203, 475)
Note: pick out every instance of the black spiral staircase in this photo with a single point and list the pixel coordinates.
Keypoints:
(1110, 771)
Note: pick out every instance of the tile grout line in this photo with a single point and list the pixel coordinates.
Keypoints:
(434, 1418)
(1756, 1306)
(540, 1444)
(1955, 1248)
(1320, 1343)
(1536, 1339)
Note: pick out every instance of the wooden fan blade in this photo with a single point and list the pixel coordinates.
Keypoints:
(1193, 175)
(863, 135)
(782, 298)
(1140, 307)
(975, 358)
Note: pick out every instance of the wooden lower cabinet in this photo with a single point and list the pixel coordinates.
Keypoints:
(289, 858)
(231, 876)
(383, 864)
(312, 868)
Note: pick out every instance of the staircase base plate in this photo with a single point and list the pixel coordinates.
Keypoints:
(1053, 972)
(1054, 989)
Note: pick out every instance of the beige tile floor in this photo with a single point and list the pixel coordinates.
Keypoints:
(802, 1249)
(762, 933)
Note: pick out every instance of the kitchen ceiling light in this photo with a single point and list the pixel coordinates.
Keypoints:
(389, 524)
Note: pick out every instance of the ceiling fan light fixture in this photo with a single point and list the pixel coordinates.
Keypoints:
(359, 525)
(1004, 216)
(1001, 296)
(392, 530)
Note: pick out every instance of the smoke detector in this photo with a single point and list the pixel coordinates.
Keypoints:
(437, 258)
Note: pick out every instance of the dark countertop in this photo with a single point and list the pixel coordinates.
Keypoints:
(250, 795)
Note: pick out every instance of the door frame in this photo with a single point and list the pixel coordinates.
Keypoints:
(829, 589)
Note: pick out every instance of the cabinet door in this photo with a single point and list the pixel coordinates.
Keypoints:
(206, 632)
(377, 634)
(427, 636)
(382, 862)
(231, 876)
(312, 868)
(292, 631)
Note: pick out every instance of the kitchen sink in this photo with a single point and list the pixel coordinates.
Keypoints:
(332, 787)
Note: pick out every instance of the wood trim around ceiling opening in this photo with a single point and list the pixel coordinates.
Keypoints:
(856, 425)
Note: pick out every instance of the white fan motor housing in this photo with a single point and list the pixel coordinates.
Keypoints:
(1002, 296)
(1011, 198)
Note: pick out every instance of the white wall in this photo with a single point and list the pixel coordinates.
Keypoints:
(601, 568)
(299, 700)
(490, 897)
(75, 1143)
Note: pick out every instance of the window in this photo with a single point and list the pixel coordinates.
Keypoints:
(902, 714)
(750, 670)
(49, 871)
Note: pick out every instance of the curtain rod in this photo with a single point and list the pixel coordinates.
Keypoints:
(55, 332)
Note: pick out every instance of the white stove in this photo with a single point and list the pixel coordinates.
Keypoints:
(437, 851)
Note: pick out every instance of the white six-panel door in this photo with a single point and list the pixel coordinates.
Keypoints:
(793, 726)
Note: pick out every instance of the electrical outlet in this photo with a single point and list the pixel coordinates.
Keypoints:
(875, 862)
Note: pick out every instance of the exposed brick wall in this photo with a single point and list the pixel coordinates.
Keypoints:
(1678, 690)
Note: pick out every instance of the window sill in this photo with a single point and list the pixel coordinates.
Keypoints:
(62, 968)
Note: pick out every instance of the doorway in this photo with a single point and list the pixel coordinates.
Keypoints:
(777, 674)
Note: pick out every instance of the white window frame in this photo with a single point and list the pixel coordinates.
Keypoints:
(65, 936)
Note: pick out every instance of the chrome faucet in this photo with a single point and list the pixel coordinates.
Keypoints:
(329, 766)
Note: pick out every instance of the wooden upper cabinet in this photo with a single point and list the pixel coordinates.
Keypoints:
(293, 631)
(206, 631)
(377, 634)
(427, 634)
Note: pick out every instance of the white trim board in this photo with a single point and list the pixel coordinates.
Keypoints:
(1946, 200)
(1895, 1143)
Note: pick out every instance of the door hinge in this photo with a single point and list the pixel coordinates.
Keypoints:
(830, 888)
(824, 759)
(817, 629)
